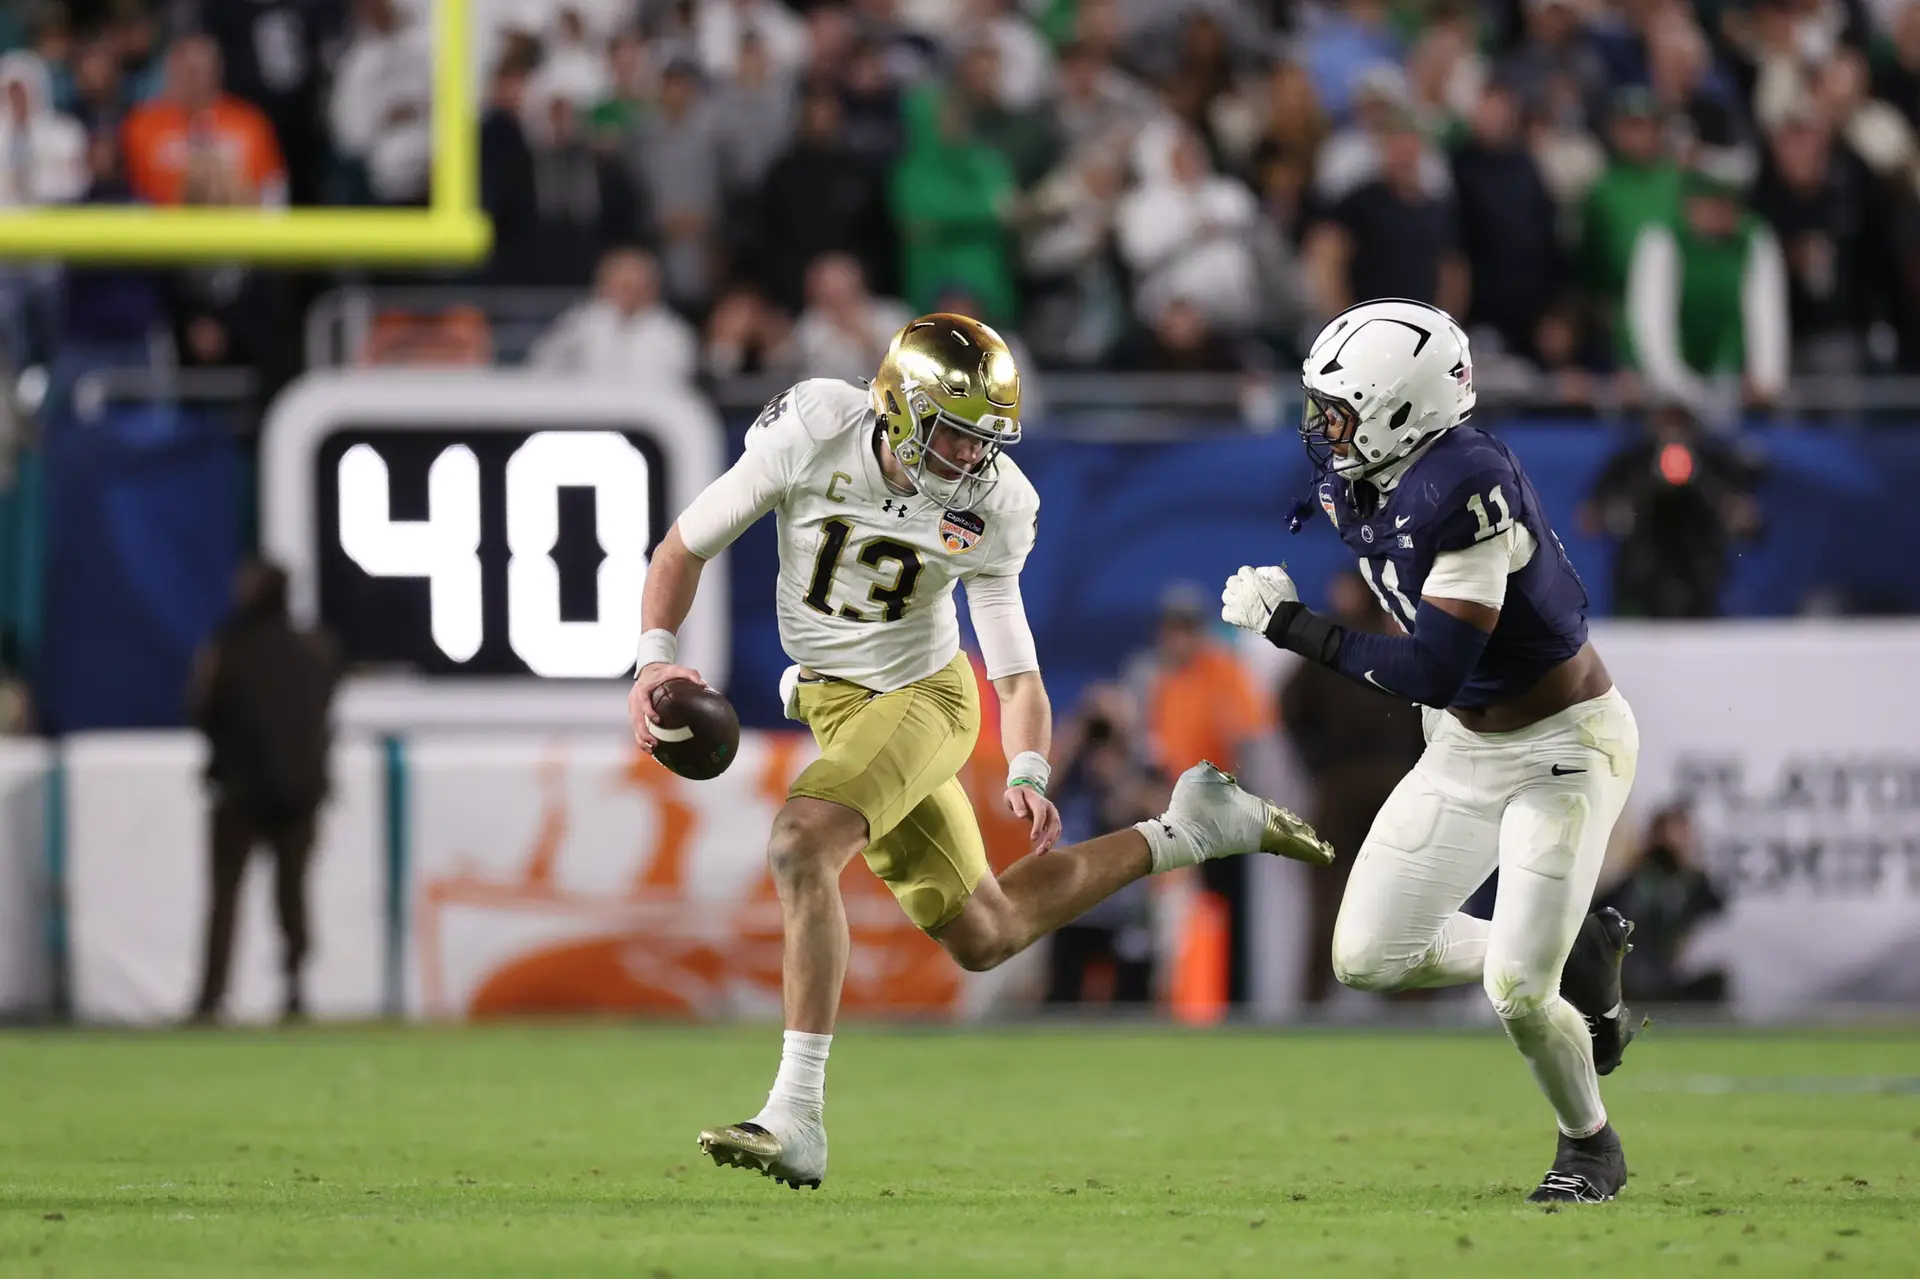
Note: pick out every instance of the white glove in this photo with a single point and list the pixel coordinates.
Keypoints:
(1252, 594)
(790, 693)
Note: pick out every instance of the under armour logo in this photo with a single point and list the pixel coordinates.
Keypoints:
(899, 508)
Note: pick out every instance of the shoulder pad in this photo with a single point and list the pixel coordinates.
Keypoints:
(822, 407)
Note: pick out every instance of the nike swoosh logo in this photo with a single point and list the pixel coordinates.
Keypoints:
(1558, 771)
(1400, 521)
(1376, 683)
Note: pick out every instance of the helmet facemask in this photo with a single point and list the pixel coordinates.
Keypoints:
(1328, 422)
(940, 478)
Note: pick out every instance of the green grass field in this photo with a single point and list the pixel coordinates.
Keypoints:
(526, 1151)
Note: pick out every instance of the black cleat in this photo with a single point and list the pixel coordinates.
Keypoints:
(1591, 983)
(1586, 1170)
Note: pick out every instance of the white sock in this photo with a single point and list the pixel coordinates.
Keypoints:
(802, 1082)
(1169, 844)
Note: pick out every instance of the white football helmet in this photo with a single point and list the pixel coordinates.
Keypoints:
(1381, 377)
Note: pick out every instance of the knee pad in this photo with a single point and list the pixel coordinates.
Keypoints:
(1366, 962)
(1515, 993)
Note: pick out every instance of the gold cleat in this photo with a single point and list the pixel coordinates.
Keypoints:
(1291, 837)
(752, 1147)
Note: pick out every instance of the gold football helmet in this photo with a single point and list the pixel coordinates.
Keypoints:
(951, 371)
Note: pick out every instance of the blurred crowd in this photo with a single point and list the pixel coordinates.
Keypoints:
(1687, 202)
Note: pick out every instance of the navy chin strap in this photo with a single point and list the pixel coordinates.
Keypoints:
(1298, 514)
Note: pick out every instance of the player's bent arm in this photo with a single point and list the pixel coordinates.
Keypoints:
(724, 510)
(1430, 665)
(673, 579)
(1006, 646)
(1026, 726)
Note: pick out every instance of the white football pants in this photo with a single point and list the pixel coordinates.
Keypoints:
(1539, 804)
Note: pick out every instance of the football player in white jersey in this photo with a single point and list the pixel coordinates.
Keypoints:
(885, 498)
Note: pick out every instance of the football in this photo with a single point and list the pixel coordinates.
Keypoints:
(698, 732)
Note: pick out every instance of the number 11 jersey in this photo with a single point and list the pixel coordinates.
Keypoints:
(866, 574)
(1466, 488)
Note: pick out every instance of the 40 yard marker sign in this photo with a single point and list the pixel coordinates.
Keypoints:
(481, 539)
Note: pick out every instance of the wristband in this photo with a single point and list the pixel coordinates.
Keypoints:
(1298, 628)
(1029, 769)
(655, 646)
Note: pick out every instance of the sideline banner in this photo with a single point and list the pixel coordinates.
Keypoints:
(136, 887)
(574, 874)
(1797, 746)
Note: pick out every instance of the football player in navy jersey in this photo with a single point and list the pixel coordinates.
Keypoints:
(1530, 748)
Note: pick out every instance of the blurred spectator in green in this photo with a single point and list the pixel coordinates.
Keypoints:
(1025, 136)
(1707, 301)
(1640, 186)
(951, 194)
(630, 89)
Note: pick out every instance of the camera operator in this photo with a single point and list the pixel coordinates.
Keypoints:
(1668, 896)
(1673, 501)
(1101, 784)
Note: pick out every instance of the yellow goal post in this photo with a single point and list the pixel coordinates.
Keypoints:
(452, 229)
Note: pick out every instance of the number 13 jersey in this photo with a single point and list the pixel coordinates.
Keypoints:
(866, 574)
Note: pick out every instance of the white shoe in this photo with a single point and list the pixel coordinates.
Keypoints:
(1212, 817)
(790, 1148)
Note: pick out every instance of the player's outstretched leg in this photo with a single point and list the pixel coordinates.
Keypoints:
(1209, 816)
(1591, 983)
(812, 842)
(1552, 840)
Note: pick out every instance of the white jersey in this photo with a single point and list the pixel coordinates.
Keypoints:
(866, 574)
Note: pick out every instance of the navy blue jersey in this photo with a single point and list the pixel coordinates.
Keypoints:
(1464, 488)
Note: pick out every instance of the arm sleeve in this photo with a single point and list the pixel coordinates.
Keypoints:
(1429, 666)
(1000, 621)
(777, 447)
(727, 507)
(1763, 311)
